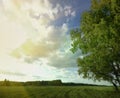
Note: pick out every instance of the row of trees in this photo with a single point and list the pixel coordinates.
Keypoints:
(42, 83)
(99, 40)
(31, 83)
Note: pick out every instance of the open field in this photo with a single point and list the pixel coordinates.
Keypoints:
(57, 92)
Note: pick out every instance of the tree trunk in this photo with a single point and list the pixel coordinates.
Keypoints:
(115, 86)
(116, 73)
(118, 80)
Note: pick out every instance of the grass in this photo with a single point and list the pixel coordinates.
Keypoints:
(58, 92)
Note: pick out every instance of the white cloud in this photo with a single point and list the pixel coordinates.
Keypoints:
(68, 11)
(63, 59)
(45, 44)
(73, 13)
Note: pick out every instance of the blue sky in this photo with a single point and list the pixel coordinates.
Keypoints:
(35, 39)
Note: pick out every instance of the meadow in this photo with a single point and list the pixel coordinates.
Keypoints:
(57, 92)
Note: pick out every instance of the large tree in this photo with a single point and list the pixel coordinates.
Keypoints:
(99, 40)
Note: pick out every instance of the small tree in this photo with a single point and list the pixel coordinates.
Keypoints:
(6, 82)
(99, 40)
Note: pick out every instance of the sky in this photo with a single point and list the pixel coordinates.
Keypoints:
(35, 40)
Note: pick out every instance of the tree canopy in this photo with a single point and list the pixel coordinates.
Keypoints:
(99, 40)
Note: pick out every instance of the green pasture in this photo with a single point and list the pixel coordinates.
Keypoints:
(57, 92)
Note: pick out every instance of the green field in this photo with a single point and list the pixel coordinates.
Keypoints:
(58, 92)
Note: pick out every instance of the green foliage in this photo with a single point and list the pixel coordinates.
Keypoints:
(99, 40)
(58, 92)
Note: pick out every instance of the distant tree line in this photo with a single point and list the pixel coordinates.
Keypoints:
(31, 83)
(42, 83)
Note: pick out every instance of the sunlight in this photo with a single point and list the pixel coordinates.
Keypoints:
(17, 25)
(12, 34)
(10, 40)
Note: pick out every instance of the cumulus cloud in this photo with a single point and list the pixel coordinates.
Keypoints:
(64, 12)
(63, 58)
(45, 45)
(68, 11)
(40, 38)
(49, 40)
